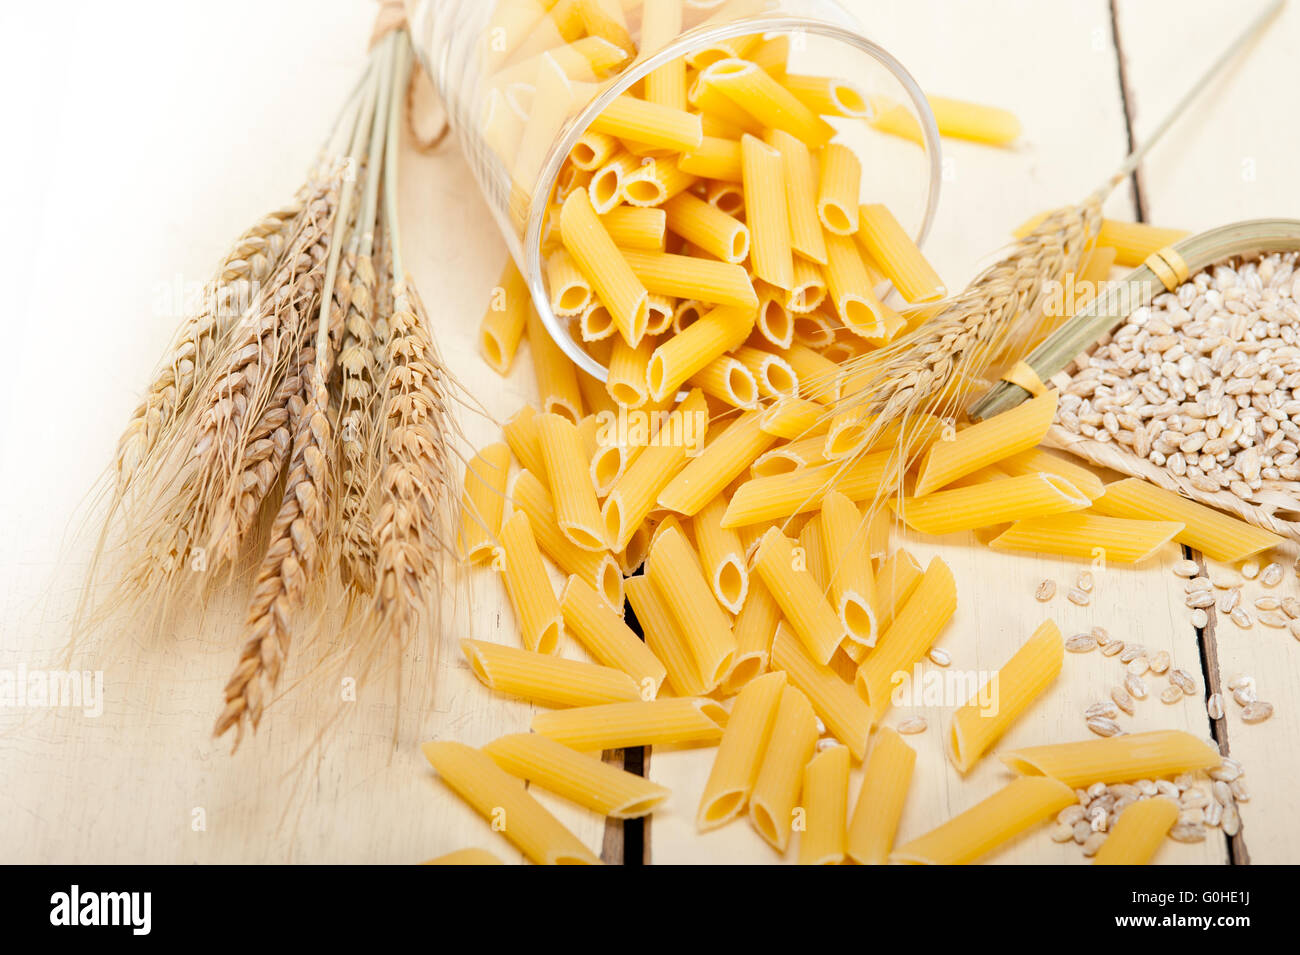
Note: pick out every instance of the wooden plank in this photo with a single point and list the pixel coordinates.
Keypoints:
(1229, 160)
(988, 192)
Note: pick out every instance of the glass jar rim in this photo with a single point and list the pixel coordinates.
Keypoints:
(683, 44)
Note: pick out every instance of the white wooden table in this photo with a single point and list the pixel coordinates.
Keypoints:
(159, 131)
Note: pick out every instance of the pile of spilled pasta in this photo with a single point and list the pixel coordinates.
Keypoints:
(708, 245)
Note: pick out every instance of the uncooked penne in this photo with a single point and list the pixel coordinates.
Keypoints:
(766, 213)
(1038, 461)
(483, 501)
(621, 725)
(626, 383)
(528, 586)
(740, 753)
(794, 418)
(826, 95)
(989, 502)
(754, 627)
(780, 777)
(727, 380)
(991, 711)
(708, 228)
(465, 857)
(1008, 812)
(677, 575)
(723, 460)
(851, 289)
(685, 354)
(665, 639)
(557, 377)
(843, 711)
(580, 778)
(603, 632)
(649, 123)
(722, 555)
(636, 227)
(686, 276)
(661, 24)
(784, 573)
(775, 498)
(1219, 536)
(1089, 536)
(826, 806)
(954, 118)
(600, 261)
(898, 256)
(570, 292)
(800, 177)
(593, 150)
(837, 190)
(504, 321)
(986, 443)
(567, 471)
(766, 100)
(546, 679)
(496, 795)
(911, 634)
(716, 158)
(886, 777)
(848, 566)
(1115, 759)
(1138, 833)
(775, 377)
(1134, 242)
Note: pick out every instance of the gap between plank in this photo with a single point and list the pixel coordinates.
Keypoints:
(1126, 98)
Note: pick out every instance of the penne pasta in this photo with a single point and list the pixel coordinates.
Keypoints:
(576, 507)
(793, 418)
(1138, 833)
(593, 150)
(1038, 461)
(622, 725)
(851, 290)
(826, 806)
(600, 261)
(800, 176)
(661, 24)
(775, 377)
(766, 100)
(727, 380)
(528, 586)
(846, 716)
(665, 638)
(465, 857)
(886, 777)
(774, 498)
(754, 627)
(766, 213)
(1134, 242)
(986, 443)
(1008, 812)
(602, 631)
(913, 631)
(1219, 536)
(676, 574)
(837, 193)
(989, 502)
(848, 564)
(683, 355)
(740, 753)
(806, 452)
(549, 680)
(1115, 759)
(577, 777)
(954, 118)
(785, 575)
(827, 96)
(716, 158)
(722, 556)
(898, 256)
(652, 124)
(504, 321)
(557, 377)
(685, 276)
(707, 228)
(780, 777)
(626, 383)
(604, 18)
(808, 293)
(570, 293)
(635, 227)
(494, 794)
(482, 502)
(662, 310)
(596, 324)
(991, 711)
(1089, 536)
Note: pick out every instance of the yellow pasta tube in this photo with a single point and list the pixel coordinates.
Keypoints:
(784, 573)
(766, 100)
(986, 443)
(988, 714)
(716, 158)
(570, 293)
(1038, 461)
(766, 213)
(1219, 536)
(605, 19)
(850, 288)
(627, 371)
(989, 502)
(775, 377)
(665, 638)
(837, 194)
(521, 436)
(1134, 242)
(771, 53)
(845, 714)
(806, 452)
(545, 679)
(528, 586)
(886, 777)
(707, 227)
(898, 256)
(635, 227)
(598, 569)
(954, 118)
(603, 632)
(497, 796)
(733, 48)
(914, 629)
(722, 461)
(608, 183)
(1115, 759)
(683, 355)
(596, 324)
(774, 498)
(685, 276)
(794, 418)
(557, 377)
(482, 501)
(504, 322)
(755, 628)
(677, 575)
(728, 380)
(780, 777)
(826, 95)
(722, 555)
(661, 24)
(599, 259)
(826, 805)
(848, 566)
(620, 725)
(580, 778)
(593, 150)
(1138, 833)
(633, 496)
(1089, 536)
(662, 310)
(554, 97)
(727, 196)
(566, 460)
(1008, 812)
(800, 178)
(651, 124)
(465, 857)
(740, 753)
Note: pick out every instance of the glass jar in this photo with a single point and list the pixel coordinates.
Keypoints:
(517, 124)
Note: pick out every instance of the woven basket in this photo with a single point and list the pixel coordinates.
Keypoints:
(1273, 509)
